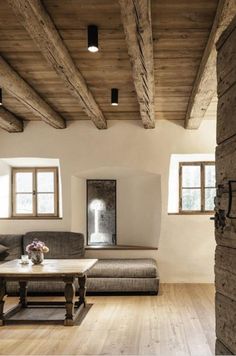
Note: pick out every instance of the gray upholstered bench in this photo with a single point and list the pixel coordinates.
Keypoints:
(124, 275)
(110, 275)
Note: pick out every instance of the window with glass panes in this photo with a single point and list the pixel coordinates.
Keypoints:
(35, 192)
(196, 186)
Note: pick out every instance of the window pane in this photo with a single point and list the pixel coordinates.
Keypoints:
(24, 204)
(210, 176)
(209, 198)
(191, 199)
(24, 182)
(45, 182)
(45, 203)
(191, 176)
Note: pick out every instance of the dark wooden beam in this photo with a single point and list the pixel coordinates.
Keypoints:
(136, 18)
(205, 86)
(9, 121)
(11, 81)
(35, 19)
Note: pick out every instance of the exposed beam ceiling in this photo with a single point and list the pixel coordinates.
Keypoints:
(9, 121)
(205, 85)
(15, 85)
(180, 31)
(40, 27)
(136, 18)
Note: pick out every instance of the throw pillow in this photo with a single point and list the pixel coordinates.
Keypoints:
(3, 252)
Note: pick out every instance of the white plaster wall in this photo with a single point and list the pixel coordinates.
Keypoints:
(139, 210)
(186, 247)
(138, 205)
(78, 205)
(5, 189)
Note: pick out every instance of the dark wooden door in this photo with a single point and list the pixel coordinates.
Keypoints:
(225, 222)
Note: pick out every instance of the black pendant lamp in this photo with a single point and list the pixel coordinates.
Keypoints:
(92, 38)
(114, 96)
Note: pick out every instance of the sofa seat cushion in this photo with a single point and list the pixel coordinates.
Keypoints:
(123, 285)
(62, 245)
(124, 268)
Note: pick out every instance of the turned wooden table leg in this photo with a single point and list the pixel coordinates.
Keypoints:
(23, 293)
(70, 301)
(82, 290)
(2, 299)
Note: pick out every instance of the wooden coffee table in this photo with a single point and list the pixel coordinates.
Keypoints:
(51, 270)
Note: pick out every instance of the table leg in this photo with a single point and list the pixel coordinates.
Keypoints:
(2, 299)
(82, 290)
(23, 293)
(70, 298)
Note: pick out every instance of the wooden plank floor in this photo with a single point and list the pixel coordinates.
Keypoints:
(180, 321)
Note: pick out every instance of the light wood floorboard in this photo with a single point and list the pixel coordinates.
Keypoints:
(180, 321)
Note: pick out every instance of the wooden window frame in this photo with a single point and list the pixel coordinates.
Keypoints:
(202, 187)
(34, 171)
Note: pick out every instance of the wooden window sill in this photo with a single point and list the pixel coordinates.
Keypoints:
(32, 218)
(119, 247)
(193, 213)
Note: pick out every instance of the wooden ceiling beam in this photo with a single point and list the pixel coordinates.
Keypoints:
(11, 81)
(205, 85)
(35, 19)
(136, 19)
(9, 121)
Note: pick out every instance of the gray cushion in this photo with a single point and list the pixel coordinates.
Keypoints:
(14, 245)
(62, 245)
(125, 268)
(123, 285)
(3, 252)
(3, 249)
(98, 285)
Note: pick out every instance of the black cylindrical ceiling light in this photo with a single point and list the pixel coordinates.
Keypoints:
(0, 96)
(92, 38)
(114, 96)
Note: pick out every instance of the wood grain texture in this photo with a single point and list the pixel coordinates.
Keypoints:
(180, 32)
(206, 83)
(180, 321)
(9, 121)
(227, 237)
(120, 247)
(42, 30)
(136, 18)
(48, 268)
(226, 59)
(226, 260)
(11, 81)
(220, 349)
(225, 321)
(225, 226)
(225, 171)
(226, 127)
(225, 282)
(211, 112)
(225, 158)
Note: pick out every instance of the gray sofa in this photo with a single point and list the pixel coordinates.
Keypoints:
(107, 276)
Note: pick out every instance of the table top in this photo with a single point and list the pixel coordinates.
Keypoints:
(49, 268)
